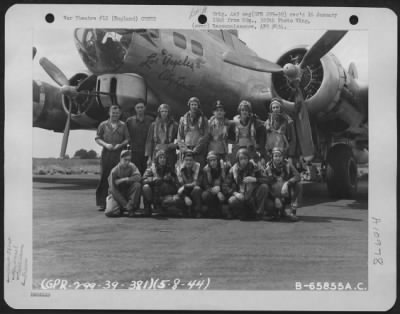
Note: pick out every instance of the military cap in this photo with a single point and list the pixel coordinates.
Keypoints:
(219, 104)
(211, 155)
(125, 153)
(193, 99)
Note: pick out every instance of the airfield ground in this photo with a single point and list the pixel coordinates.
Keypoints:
(75, 242)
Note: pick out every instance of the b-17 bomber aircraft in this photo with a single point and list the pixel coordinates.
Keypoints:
(329, 103)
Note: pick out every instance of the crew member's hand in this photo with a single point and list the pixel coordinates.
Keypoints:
(249, 179)
(168, 177)
(285, 189)
(122, 180)
(181, 189)
(221, 196)
(215, 189)
(239, 196)
(109, 146)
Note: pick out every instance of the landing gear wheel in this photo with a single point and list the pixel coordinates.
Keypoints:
(341, 172)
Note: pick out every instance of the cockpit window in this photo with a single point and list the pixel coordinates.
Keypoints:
(197, 48)
(103, 49)
(179, 40)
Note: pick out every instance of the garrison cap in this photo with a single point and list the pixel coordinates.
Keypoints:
(160, 153)
(277, 150)
(125, 153)
(211, 155)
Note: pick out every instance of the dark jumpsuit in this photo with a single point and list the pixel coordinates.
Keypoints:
(109, 159)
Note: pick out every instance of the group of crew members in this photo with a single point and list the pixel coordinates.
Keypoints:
(187, 167)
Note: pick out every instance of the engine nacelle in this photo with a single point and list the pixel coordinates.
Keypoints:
(328, 90)
(48, 112)
(125, 89)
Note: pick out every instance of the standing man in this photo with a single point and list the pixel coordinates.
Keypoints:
(161, 136)
(113, 136)
(193, 132)
(277, 129)
(138, 127)
(125, 188)
(218, 128)
(246, 126)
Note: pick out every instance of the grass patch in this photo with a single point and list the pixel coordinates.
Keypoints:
(46, 166)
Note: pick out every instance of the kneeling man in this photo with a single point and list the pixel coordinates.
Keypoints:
(285, 187)
(214, 174)
(248, 188)
(159, 184)
(189, 176)
(124, 187)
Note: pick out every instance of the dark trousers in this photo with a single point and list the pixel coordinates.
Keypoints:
(212, 203)
(126, 196)
(194, 194)
(154, 194)
(140, 161)
(255, 205)
(109, 159)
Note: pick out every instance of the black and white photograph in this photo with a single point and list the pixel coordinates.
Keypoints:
(200, 159)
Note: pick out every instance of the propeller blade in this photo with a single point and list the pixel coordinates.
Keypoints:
(303, 127)
(321, 47)
(34, 50)
(251, 62)
(53, 71)
(66, 132)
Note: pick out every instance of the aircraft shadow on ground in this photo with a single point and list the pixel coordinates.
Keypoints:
(317, 193)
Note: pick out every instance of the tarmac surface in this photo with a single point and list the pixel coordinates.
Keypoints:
(72, 241)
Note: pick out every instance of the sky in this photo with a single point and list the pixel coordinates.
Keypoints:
(59, 47)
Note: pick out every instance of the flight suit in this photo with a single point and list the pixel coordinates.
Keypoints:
(124, 195)
(138, 130)
(276, 127)
(213, 180)
(161, 136)
(218, 142)
(246, 136)
(255, 194)
(285, 172)
(109, 159)
(190, 181)
(159, 184)
(193, 135)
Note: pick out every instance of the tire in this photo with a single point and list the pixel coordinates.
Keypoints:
(341, 172)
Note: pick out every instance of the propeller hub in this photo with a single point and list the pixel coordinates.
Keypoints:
(291, 71)
(69, 91)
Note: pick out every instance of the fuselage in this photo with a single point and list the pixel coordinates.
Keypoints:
(178, 64)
